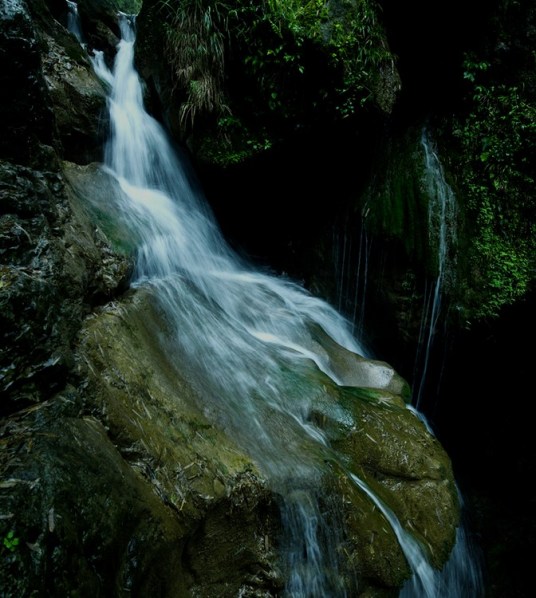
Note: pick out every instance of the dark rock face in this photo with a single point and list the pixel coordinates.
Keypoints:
(88, 520)
(54, 267)
(26, 117)
(50, 95)
(78, 101)
(38, 321)
(87, 516)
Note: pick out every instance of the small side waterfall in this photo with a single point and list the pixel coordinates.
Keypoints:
(73, 21)
(442, 214)
(351, 264)
(244, 336)
(424, 580)
(461, 576)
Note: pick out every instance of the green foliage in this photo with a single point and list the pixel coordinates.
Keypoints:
(287, 38)
(235, 143)
(272, 39)
(271, 65)
(360, 51)
(498, 139)
(195, 45)
(11, 541)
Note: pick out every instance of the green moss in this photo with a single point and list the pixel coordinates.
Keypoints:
(497, 139)
(396, 205)
(373, 396)
(95, 191)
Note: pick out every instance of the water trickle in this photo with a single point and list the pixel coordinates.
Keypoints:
(73, 21)
(442, 215)
(423, 582)
(351, 264)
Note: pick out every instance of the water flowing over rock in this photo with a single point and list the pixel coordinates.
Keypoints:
(211, 431)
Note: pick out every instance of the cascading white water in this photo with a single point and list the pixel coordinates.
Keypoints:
(442, 214)
(241, 332)
(243, 335)
(239, 327)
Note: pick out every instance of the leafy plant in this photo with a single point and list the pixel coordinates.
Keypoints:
(284, 35)
(235, 143)
(11, 541)
(277, 65)
(498, 139)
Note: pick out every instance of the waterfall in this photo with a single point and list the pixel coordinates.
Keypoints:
(73, 21)
(442, 214)
(239, 332)
(243, 336)
(361, 279)
(460, 577)
(462, 574)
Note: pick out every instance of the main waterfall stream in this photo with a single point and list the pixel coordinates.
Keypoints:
(243, 335)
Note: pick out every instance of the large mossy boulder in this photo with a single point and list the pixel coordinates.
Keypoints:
(385, 444)
(122, 479)
(171, 477)
(126, 487)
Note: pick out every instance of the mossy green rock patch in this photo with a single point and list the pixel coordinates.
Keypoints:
(397, 454)
(384, 443)
(153, 415)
